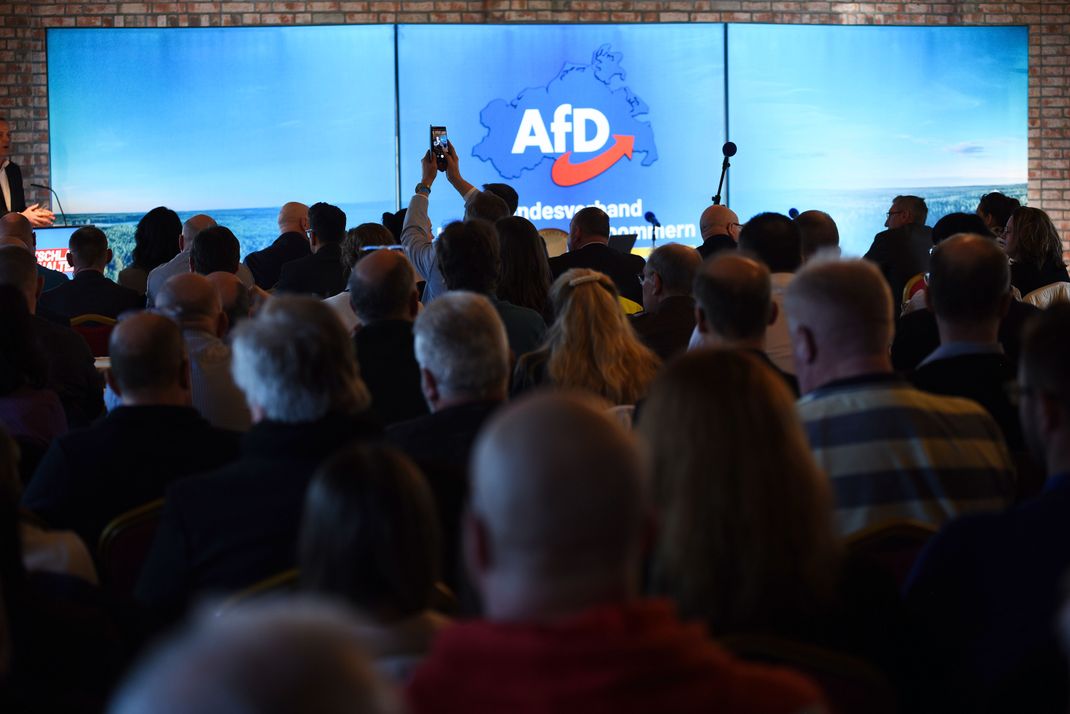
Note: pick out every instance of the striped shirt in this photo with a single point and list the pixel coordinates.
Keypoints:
(894, 452)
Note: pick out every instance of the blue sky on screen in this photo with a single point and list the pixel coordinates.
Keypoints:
(221, 117)
(876, 107)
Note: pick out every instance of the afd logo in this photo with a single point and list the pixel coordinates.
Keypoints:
(583, 121)
(533, 133)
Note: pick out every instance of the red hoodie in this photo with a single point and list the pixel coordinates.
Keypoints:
(632, 657)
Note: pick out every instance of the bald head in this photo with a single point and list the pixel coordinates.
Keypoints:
(148, 359)
(293, 218)
(17, 226)
(719, 221)
(382, 286)
(193, 226)
(969, 280)
(559, 499)
(733, 296)
(233, 295)
(191, 300)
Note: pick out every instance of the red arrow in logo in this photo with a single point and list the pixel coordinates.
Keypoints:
(566, 173)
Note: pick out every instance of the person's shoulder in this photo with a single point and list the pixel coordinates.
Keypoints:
(765, 689)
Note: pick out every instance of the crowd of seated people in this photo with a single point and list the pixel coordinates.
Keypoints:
(382, 470)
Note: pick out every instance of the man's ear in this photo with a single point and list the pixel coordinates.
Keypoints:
(429, 387)
(701, 324)
(774, 312)
(110, 256)
(658, 285)
(70, 259)
(804, 345)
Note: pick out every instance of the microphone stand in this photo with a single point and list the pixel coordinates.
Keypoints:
(58, 202)
(653, 236)
(724, 170)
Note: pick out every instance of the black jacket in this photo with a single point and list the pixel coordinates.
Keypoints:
(71, 372)
(388, 366)
(901, 253)
(668, 329)
(14, 181)
(266, 264)
(623, 269)
(321, 273)
(90, 293)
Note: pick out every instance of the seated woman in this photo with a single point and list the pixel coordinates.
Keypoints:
(524, 276)
(155, 242)
(370, 538)
(590, 346)
(1035, 250)
(746, 539)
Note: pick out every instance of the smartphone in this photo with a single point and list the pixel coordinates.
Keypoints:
(439, 146)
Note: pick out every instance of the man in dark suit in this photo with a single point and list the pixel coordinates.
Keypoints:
(382, 293)
(90, 292)
(291, 244)
(321, 273)
(16, 229)
(90, 476)
(227, 529)
(668, 316)
(463, 354)
(588, 247)
(719, 226)
(71, 370)
(12, 197)
(902, 251)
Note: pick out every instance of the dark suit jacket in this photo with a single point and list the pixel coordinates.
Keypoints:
(18, 198)
(441, 444)
(266, 264)
(71, 372)
(321, 273)
(668, 329)
(524, 327)
(715, 244)
(388, 366)
(916, 335)
(1027, 277)
(90, 476)
(90, 292)
(901, 254)
(228, 529)
(622, 269)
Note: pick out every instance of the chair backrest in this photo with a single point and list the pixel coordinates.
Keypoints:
(124, 545)
(286, 581)
(1049, 295)
(95, 330)
(915, 285)
(850, 684)
(892, 545)
(556, 241)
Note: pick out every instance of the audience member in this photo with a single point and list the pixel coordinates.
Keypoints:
(986, 591)
(734, 306)
(902, 251)
(461, 347)
(776, 240)
(1035, 249)
(505, 192)
(156, 241)
(192, 301)
(524, 277)
(950, 225)
(227, 529)
(668, 316)
(370, 538)
(321, 273)
(818, 234)
(416, 233)
(15, 226)
(892, 451)
(180, 263)
(590, 346)
(469, 258)
(90, 292)
(29, 411)
(358, 242)
(269, 658)
(214, 249)
(292, 243)
(719, 226)
(555, 539)
(71, 370)
(588, 247)
(995, 209)
(382, 293)
(93, 475)
(235, 298)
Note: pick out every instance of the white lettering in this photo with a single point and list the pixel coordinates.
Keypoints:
(560, 127)
(532, 132)
(580, 141)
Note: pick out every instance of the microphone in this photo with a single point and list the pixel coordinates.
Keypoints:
(60, 204)
(793, 213)
(652, 219)
(729, 149)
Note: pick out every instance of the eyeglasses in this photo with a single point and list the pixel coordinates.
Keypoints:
(892, 213)
(641, 277)
(734, 225)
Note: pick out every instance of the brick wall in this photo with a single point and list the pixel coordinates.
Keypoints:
(23, 81)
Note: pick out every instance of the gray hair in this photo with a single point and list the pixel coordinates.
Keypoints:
(267, 658)
(295, 361)
(461, 341)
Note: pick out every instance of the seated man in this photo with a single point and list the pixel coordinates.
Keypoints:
(668, 316)
(181, 263)
(16, 227)
(321, 273)
(891, 451)
(214, 249)
(558, 521)
(227, 529)
(193, 302)
(92, 475)
(235, 297)
(819, 234)
(719, 226)
(464, 368)
(382, 292)
(90, 292)
(292, 243)
(588, 247)
(902, 251)
(775, 240)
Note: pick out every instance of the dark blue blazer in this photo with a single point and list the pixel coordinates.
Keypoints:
(90, 293)
(321, 273)
(266, 264)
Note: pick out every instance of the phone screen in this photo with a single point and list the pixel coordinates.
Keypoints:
(439, 145)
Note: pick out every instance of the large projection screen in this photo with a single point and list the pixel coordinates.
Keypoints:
(843, 119)
(517, 99)
(232, 122)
